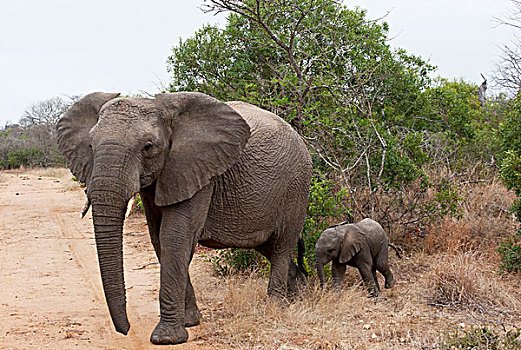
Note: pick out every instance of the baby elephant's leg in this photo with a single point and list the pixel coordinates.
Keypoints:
(366, 271)
(382, 265)
(338, 272)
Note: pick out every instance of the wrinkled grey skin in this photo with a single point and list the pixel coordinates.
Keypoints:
(363, 245)
(222, 174)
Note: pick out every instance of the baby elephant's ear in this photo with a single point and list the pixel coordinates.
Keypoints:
(351, 244)
(207, 138)
(73, 132)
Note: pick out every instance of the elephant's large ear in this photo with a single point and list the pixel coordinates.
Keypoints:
(351, 244)
(207, 138)
(73, 132)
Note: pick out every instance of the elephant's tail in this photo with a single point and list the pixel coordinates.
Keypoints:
(300, 256)
(397, 250)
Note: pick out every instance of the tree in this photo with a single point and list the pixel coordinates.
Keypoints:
(330, 72)
(32, 142)
(324, 68)
(508, 72)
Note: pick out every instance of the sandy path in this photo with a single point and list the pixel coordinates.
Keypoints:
(50, 289)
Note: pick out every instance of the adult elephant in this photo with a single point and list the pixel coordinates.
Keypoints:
(222, 174)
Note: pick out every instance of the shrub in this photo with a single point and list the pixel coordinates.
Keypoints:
(139, 204)
(326, 206)
(463, 281)
(26, 157)
(510, 253)
(483, 338)
(237, 260)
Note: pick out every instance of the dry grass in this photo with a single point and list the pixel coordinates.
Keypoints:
(450, 286)
(58, 173)
(484, 223)
(237, 313)
(62, 175)
(53, 172)
(464, 280)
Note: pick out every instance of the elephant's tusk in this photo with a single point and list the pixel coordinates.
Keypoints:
(85, 209)
(130, 206)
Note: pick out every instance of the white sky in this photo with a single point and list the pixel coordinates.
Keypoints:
(71, 47)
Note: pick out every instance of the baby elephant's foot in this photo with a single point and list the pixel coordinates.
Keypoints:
(389, 283)
(166, 333)
(374, 293)
(192, 317)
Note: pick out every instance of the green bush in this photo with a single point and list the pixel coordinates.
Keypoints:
(237, 260)
(26, 157)
(510, 170)
(510, 253)
(446, 201)
(326, 206)
(139, 204)
(483, 338)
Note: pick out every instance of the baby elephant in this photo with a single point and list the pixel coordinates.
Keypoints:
(363, 245)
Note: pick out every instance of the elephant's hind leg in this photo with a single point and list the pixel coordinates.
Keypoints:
(373, 269)
(382, 265)
(278, 280)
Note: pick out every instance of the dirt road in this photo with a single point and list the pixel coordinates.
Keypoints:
(50, 289)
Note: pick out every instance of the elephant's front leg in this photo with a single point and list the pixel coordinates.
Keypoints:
(180, 225)
(338, 272)
(191, 310)
(365, 269)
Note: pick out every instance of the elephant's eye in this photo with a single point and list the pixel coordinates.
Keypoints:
(148, 147)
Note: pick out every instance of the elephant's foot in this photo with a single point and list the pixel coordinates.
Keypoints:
(166, 333)
(374, 293)
(192, 317)
(389, 283)
(337, 286)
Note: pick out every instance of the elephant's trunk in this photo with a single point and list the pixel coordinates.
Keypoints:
(108, 229)
(320, 263)
(109, 195)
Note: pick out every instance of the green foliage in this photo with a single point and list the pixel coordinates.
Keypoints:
(510, 253)
(375, 123)
(510, 139)
(32, 142)
(447, 201)
(326, 206)
(329, 72)
(483, 338)
(25, 157)
(139, 203)
(237, 260)
(510, 170)
(448, 106)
